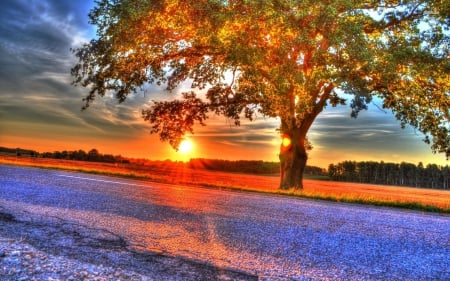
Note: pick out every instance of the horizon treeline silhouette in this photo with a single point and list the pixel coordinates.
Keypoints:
(92, 155)
(247, 166)
(399, 174)
(238, 166)
(371, 172)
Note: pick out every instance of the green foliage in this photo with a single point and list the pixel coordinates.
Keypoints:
(173, 119)
(286, 59)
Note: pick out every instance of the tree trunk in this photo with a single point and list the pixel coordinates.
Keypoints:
(293, 159)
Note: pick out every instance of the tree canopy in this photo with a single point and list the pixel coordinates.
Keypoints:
(286, 59)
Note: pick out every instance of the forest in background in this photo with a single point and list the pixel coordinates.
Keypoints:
(238, 166)
(92, 155)
(247, 166)
(399, 174)
(403, 174)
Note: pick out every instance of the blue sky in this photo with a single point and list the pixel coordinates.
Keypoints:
(40, 109)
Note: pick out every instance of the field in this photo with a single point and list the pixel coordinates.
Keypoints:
(179, 173)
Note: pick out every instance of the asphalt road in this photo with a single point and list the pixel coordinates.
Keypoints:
(259, 236)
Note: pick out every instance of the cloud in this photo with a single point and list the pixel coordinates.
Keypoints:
(260, 132)
(36, 37)
(35, 45)
(374, 135)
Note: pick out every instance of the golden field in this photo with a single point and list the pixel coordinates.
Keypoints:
(179, 173)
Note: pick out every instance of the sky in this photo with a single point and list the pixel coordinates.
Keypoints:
(41, 110)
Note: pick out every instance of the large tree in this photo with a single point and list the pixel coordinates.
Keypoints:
(287, 59)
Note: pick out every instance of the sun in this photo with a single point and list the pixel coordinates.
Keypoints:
(185, 146)
(286, 141)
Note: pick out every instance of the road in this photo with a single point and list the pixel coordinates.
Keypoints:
(263, 237)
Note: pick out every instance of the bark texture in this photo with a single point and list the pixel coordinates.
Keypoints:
(293, 160)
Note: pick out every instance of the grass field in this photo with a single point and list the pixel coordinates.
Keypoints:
(177, 173)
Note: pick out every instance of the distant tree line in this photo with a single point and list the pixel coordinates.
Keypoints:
(92, 155)
(18, 151)
(246, 166)
(403, 174)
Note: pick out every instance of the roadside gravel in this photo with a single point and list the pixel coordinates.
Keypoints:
(38, 249)
(22, 262)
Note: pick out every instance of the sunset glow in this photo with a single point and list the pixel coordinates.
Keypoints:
(41, 108)
(185, 146)
(286, 141)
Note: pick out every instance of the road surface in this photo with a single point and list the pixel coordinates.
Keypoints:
(254, 236)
